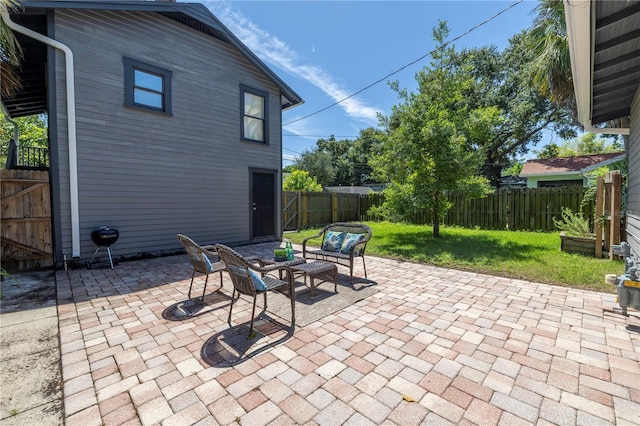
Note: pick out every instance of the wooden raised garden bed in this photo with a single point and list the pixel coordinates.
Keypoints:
(580, 245)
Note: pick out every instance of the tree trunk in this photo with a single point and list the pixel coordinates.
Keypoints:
(436, 218)
(493, 172)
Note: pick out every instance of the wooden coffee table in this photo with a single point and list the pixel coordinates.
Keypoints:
(317, 269)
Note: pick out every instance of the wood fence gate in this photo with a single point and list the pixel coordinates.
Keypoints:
(25, 231)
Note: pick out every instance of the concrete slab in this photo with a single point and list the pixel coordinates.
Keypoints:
(31, 378)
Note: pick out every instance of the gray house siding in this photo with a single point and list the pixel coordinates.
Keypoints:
(633, 190)
(151, 175)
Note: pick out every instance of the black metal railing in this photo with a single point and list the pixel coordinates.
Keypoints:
(33, 157)
(27, 157)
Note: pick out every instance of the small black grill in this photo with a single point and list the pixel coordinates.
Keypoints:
(104, 237)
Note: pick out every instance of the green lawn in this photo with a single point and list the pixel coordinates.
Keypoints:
(532, 256)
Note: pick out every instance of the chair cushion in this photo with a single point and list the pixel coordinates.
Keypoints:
(333, 241)
(349, 241)
(258, 282)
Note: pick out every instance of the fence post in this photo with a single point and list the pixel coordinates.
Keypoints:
(616, 198)
(299, 210)
(598, 215)
(303, 202)
(334, 207)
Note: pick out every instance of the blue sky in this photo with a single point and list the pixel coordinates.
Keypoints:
(327, 50)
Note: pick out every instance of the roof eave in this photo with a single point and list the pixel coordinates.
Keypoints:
(573, 172)
(196, 11)
(579, 20)
(604, 163)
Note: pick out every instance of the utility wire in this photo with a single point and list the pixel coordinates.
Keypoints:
(290, 150)
(319, 136)
(407, 65)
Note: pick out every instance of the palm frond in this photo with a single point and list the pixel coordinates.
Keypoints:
(552, 66)
(11, 54)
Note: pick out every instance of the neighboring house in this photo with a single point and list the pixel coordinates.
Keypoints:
(177, 126)
(565, 171)
(512, 181)
(605, 60)
(362, 190)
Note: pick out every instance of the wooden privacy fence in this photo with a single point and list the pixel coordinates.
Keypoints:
(25, 231)
(525, 209)
(608, 216)
(306, 209)
(520, 209)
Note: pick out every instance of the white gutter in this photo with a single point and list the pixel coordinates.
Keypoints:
(581, 40)
(564, 174)
(605, 130)
(71, 122)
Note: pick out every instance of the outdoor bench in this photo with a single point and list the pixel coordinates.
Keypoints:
(341, 243)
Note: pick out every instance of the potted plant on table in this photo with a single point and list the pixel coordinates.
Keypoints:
(280, 255)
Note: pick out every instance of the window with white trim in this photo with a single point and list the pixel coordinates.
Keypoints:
(147, 86)
(254, 115)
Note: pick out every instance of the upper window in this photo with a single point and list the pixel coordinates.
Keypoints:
(147, 86)
(254, 115)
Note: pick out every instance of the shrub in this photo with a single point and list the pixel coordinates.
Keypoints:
(573, 224)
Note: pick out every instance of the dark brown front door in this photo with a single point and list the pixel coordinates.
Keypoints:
(263, 204)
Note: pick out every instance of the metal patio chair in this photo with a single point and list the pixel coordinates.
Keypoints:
(201, 260)
(252, 279)
(355, 237)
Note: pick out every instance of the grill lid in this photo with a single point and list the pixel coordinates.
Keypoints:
(105, 236)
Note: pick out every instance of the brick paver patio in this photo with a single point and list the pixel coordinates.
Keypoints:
(433, 346)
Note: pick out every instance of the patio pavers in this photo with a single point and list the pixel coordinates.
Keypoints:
(433, 346)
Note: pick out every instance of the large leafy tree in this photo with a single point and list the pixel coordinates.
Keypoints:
(341, 162)
(586, 144)
(299, 180)
(318, 164)
(426, 153)
(551, 150)
(507, 114)
(32, 129)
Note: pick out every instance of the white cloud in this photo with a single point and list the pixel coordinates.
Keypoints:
(276, 52)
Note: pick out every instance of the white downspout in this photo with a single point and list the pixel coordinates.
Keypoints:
(71, 122)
